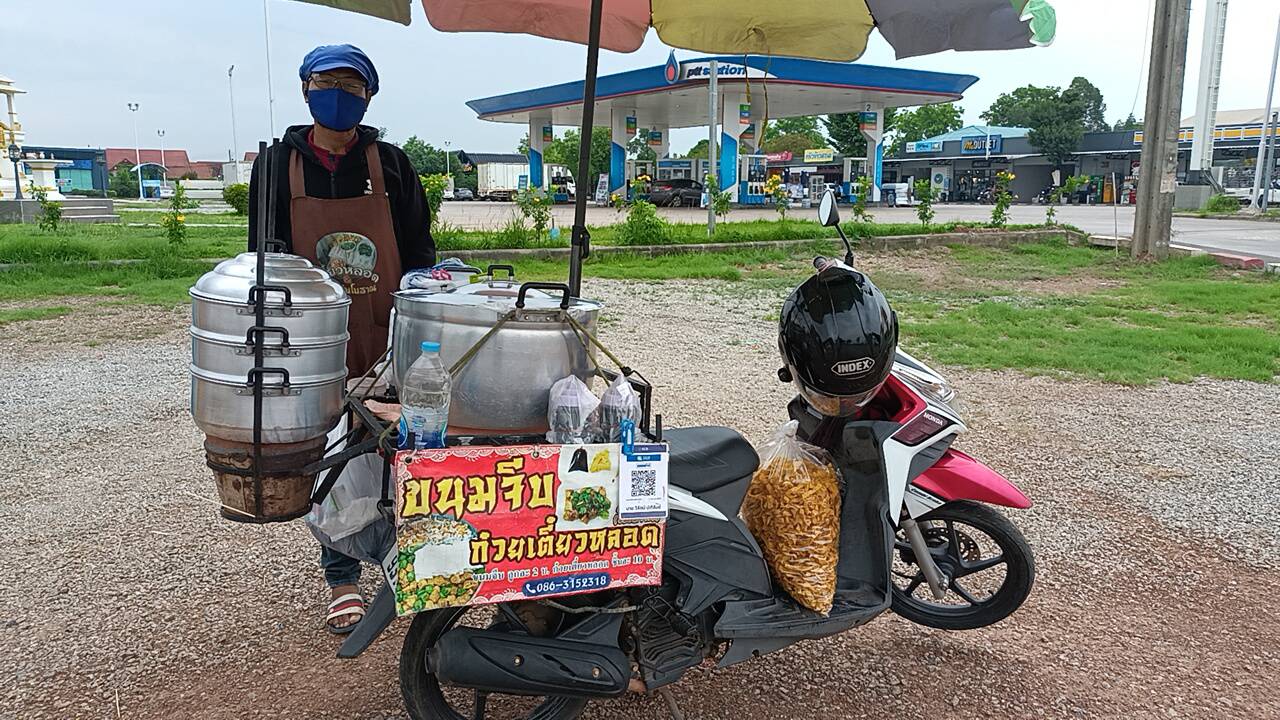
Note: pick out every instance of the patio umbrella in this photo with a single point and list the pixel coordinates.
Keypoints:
(819, 29)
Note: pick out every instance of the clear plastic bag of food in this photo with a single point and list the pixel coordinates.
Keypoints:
(620, 402)
(793, 510)
(569, 410)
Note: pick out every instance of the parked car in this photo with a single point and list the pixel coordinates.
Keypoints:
(676, 193)
(463, 194)
(448, 194)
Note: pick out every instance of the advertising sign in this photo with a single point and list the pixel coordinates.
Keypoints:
(867, 121)
(485, 524)
(784, 156)
(748, 132)
(744, 113)
(655, 137)
(548, 134)
(819, 155)
(701, 70)
(924, 146)
(631, 125)
(979, 144)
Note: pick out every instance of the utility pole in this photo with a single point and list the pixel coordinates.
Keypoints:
(1271, 163)
(711, 147)
(1157, 179)
(271, 91)
(1267, 128)
(137, 146)
(1215, 30)
(235, 146)
(164, 167)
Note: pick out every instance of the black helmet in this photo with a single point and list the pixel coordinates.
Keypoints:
(838, 337)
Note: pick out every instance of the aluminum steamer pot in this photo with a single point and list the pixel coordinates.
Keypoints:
(503, 388)
(306, 341)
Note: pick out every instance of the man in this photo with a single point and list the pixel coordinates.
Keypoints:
(354, 206)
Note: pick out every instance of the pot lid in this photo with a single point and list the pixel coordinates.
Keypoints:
(501, 296)
(308, 285)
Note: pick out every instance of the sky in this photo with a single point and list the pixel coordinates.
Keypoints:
(83, 61)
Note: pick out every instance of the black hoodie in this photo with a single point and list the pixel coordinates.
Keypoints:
(410, 214)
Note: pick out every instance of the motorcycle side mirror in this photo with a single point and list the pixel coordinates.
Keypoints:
(828, 214)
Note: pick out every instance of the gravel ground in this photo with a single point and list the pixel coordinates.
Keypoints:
(1158, 558)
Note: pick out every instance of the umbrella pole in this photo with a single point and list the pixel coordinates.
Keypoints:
(581, 240)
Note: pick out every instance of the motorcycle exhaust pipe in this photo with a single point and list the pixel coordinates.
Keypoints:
(500, 662)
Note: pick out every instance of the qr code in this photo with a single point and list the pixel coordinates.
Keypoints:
(644, 483)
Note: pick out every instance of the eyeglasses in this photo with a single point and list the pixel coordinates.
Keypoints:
(327, 82)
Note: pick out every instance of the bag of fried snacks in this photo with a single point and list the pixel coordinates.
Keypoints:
(793, 510)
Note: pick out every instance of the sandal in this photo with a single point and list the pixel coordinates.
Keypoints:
(342, 606)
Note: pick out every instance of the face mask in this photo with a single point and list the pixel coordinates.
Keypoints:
(336, 108)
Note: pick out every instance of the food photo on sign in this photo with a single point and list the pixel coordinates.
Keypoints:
(479, 525)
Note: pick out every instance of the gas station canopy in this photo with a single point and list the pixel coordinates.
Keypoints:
(750, 89)
(676, 93)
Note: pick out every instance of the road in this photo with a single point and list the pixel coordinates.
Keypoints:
(1246, 237)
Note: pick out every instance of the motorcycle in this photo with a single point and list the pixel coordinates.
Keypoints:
(918, 537)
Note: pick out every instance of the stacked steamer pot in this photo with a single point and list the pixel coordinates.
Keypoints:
(303, 375)
(503, 388)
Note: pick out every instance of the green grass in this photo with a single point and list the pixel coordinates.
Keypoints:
(23, 314)
(148, 216)
(1045, 308)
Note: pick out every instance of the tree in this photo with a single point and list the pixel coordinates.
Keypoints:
(843, 133)
(1055, 118)
(564, 151)
(698, 151)
(638, 147)
(426, 160)
(805, 126)
(124, 181)
(1129, 123)
(1090, 99)
(795, 143)
(924, 122)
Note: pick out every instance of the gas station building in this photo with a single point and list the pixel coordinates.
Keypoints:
(751, 89)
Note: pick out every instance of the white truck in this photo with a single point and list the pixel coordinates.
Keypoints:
(499, 176)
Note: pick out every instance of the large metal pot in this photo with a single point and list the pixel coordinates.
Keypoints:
(505, 385)
(304, 341)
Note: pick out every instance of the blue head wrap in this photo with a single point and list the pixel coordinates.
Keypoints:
(332, 57)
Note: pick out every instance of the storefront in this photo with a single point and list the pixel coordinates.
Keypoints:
(86, 174)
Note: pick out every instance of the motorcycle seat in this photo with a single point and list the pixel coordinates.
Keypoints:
(706, 458)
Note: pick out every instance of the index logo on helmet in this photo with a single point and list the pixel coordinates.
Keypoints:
(854, 368)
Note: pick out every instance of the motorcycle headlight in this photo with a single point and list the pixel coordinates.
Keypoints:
(932, 387)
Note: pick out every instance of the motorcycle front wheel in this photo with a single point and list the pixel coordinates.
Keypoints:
(426, 699)
(986, 563)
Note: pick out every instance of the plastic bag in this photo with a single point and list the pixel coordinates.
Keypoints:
(793, 510)
(620, 402)
(570, 407)
(352, 503)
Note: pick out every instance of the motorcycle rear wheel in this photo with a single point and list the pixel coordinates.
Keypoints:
(962, 609)
(426, 699)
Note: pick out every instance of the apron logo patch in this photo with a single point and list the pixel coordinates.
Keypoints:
(350, 258)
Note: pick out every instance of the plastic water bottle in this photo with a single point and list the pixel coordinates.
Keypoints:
(424, 401)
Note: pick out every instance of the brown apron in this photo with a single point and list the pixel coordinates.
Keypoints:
(354, 240)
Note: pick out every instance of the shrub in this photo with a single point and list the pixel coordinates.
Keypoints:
(924, 201)
(644, 226)
(1222, 204)
(719, 199)
(50, 212)
(1003, 199)
(861, 191)
(237, 196)
(778, 195)
(175, 221)
(434, 186)
(535, 206)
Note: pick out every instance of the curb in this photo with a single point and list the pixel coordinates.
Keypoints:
(1244, 262)
(991, 238)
